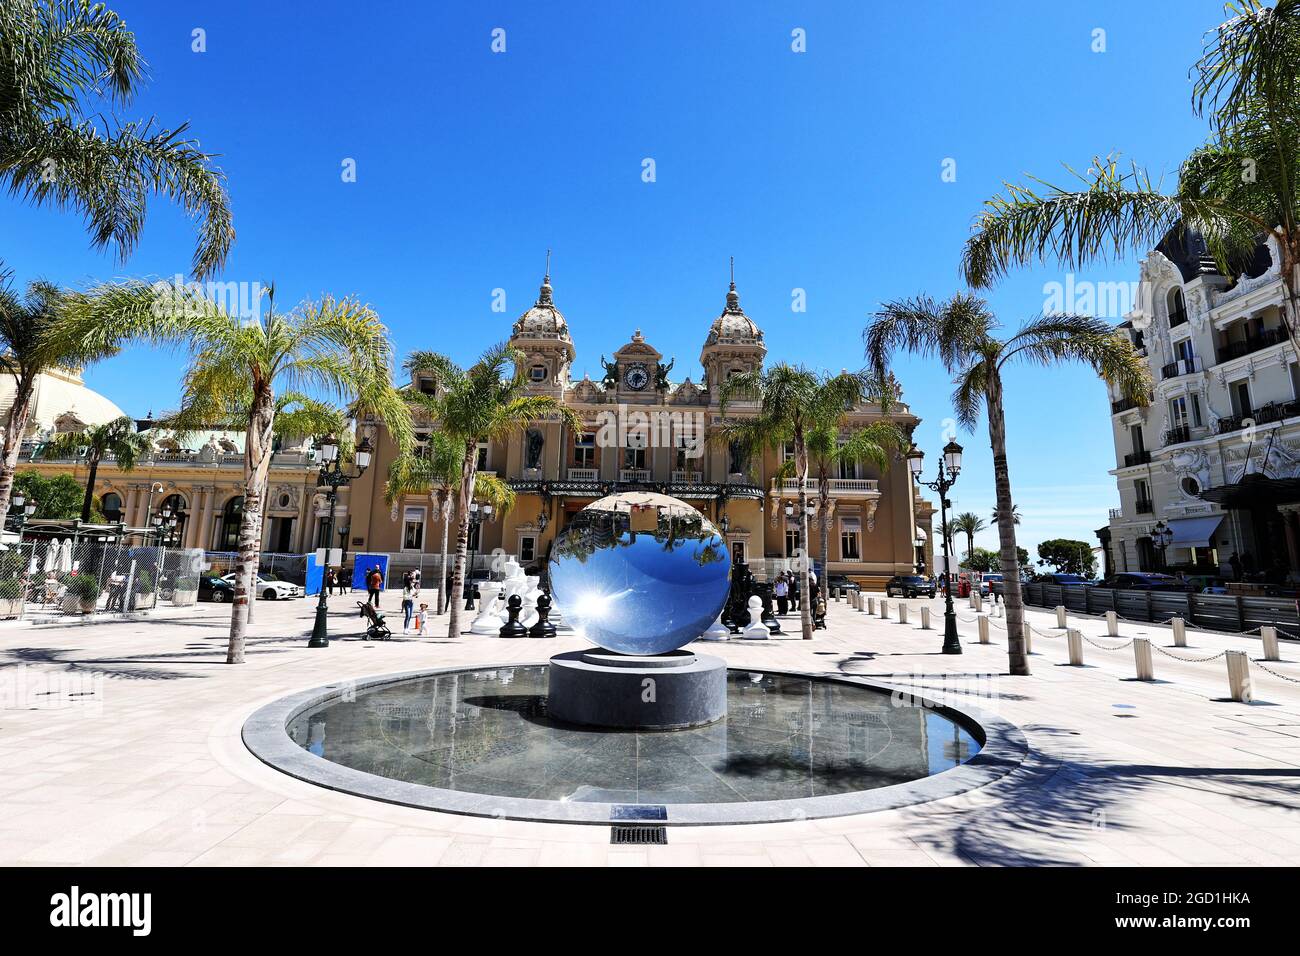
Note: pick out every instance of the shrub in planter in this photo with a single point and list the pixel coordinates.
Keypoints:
(185, 591)
(83, 590)
(11, 597)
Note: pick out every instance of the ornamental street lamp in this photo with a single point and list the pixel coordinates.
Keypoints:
(1162, 536)
(332, 477)
(949, 466)
(478, 513)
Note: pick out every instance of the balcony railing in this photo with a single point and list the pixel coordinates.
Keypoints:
(634, 474)
(1124, 404)
(584, 474)
(1254, 343)
(1144, 507)
(687, 477)
(1137, 458)
(1182, 366)
(1265, 414)
(838, 486)
(1178, 434)
(1177, 317)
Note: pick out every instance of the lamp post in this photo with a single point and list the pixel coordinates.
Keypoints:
(332, 477)
(949, 466)
(478, 513)
(1162, 536)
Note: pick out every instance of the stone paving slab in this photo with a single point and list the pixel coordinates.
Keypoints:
(119, 745)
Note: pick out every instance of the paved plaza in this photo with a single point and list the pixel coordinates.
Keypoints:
(120, 745)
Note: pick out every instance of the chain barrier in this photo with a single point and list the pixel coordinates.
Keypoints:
(1190, 660)
(1269, 670)
(1103, 647)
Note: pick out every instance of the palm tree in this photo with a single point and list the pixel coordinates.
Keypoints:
(792, 403)
(436, 472)
(60, 146)
(117, 438)
(25, 353)
(1015, 514)
(486, 402)
(1241, 185)
(873, 443)
(336, 347)
(961, 332)
(970, 524)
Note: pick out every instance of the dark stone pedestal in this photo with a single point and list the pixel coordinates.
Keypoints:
(599, 688)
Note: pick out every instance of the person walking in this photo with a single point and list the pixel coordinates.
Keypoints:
(374, 584)
(782, 591)
(330, 579)
(410, 593)
(795, 596)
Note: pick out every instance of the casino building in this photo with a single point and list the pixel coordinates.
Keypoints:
(645, 431)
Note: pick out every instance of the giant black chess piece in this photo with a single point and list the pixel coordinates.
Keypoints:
(543, 627)
(512, 627)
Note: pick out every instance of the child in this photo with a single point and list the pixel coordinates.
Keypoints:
(421, 619)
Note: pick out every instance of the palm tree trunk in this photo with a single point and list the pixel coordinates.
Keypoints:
(15, 427)
(805, 592)
(93, 462)
(464, 497)
(445, 507)
(261, 523)
(1009, 560)
(257, 462)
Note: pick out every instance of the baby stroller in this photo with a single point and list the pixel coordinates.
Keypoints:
(375, 626)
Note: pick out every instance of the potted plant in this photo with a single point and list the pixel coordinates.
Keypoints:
(143, 587)
(11, 597)
(80, 594)
(186, 590)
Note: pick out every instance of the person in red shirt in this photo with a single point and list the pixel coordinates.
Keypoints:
(374, 584)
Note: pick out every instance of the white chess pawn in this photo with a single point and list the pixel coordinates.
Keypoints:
(755, 630)
(488, 620)
(717, 631)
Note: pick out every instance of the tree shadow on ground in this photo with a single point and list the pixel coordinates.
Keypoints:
(137, 667)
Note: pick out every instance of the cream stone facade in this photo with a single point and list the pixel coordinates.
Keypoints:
(1215, 456)
(644, 431)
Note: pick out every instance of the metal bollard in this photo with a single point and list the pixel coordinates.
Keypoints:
(925, 618)
(1269, 634)
(902, 613)
(1142, 658)
(1074, 642)
(1060, 616)
(1112, 624)
(1028, 631)
(984, 628)
(1239, 685)
(884, 610)
(871, 604)
(1180, 631)
(977, 601)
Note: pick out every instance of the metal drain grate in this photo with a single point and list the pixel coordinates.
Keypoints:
(639, 835)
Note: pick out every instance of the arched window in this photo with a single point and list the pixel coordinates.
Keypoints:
(111, 505)
(232, 515)
(1177, 310)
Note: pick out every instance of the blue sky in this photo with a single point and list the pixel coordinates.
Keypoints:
(818, 171)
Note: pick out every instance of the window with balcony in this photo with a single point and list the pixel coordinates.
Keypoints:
(482, 457)
(584, 450)
(1240, 394)
(1142, 494)
(634, 458)
(850, 532)
(1176, 307)
(413, 529)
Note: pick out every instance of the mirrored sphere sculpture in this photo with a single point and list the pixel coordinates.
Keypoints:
(640, 573)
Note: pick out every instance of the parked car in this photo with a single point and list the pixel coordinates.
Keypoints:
(269, 588)
(213, 588)
(987, 581)
(909, 585)
(1143, 581)
(1054, 578)
(839, 581)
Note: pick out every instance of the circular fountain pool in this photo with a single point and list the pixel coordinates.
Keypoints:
(480, 741)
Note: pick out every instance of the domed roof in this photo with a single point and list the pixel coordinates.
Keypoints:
(543, 318)
(733, 325)
(61, 394)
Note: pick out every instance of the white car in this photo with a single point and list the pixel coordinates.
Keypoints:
(269, 589)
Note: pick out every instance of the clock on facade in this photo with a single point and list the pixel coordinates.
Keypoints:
(636, 377)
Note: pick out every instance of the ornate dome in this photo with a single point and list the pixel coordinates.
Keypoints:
(733, 325)
(543, 318)
(62, 402)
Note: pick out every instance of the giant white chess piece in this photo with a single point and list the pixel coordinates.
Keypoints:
(717, 631)
(755, 630)
(488, 620)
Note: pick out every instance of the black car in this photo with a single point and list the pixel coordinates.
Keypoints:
(840, 582)
(1143, 581)
(909, 585)
(213, 588)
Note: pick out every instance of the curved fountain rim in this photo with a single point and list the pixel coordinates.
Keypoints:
(1003, 748)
